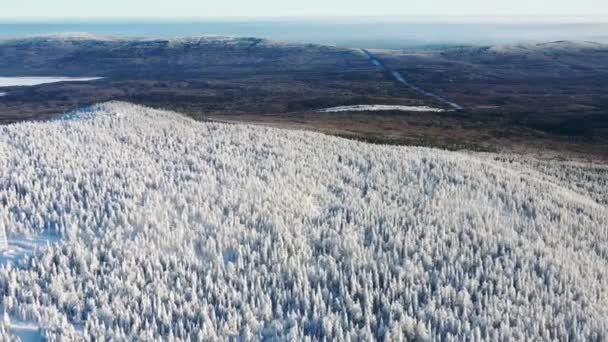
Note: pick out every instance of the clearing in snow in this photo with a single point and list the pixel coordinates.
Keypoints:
(172, 229)
(26, 332)
(16, 248)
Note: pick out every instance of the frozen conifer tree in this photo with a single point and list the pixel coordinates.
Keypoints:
(3, 238)
(171, 229)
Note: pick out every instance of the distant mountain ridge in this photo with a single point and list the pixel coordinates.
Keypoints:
(563, 45)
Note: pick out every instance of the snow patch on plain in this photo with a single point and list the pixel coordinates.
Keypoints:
(172, 229)
(375, 108)
(33, 81)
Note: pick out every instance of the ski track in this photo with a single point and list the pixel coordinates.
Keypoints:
(401, 79)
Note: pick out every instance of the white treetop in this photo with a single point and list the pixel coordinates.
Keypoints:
(171, 229)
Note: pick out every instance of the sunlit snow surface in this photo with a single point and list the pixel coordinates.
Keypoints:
(27, 332)
(20, 247)
(375, 108)
(171, 229)
(32, 81)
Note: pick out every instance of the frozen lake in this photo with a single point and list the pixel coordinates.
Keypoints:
(32, 81)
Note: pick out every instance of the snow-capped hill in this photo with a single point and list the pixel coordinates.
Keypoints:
(172, 229)
(73, 38)
(81, 36)
(67, 37)
(556, 46)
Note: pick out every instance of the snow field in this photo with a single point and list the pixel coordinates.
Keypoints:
(375, 108)
(33, 81)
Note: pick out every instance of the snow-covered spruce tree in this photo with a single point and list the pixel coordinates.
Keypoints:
(171, 229)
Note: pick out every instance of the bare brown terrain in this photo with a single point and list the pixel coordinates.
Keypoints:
(547, 99)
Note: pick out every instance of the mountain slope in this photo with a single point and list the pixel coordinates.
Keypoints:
(169, 227)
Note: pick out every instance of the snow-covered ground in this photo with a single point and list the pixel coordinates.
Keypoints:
(2, 94)
(172, 229)
(375, 108)
(20, 247)
(32, 81)
(26, 332)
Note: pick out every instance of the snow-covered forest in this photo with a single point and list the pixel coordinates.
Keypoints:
(162, 228)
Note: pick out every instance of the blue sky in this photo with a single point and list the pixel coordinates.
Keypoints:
(265, 8)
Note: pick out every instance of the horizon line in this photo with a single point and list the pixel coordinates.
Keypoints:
(413, 17)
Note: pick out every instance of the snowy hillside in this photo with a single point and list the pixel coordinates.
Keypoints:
(160, 227)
